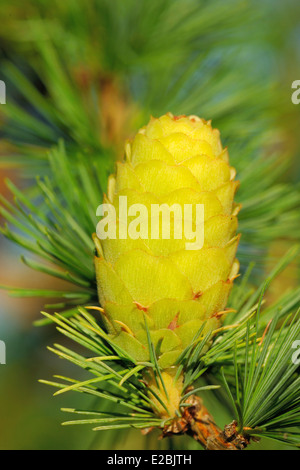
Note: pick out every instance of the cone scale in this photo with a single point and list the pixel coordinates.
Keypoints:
(172, 160)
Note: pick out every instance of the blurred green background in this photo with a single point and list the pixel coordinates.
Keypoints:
(104, 67)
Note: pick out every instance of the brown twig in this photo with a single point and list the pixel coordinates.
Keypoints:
(197, 422)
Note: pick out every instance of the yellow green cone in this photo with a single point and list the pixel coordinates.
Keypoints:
(171, 160)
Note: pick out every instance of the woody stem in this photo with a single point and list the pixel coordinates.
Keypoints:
(198, 423)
